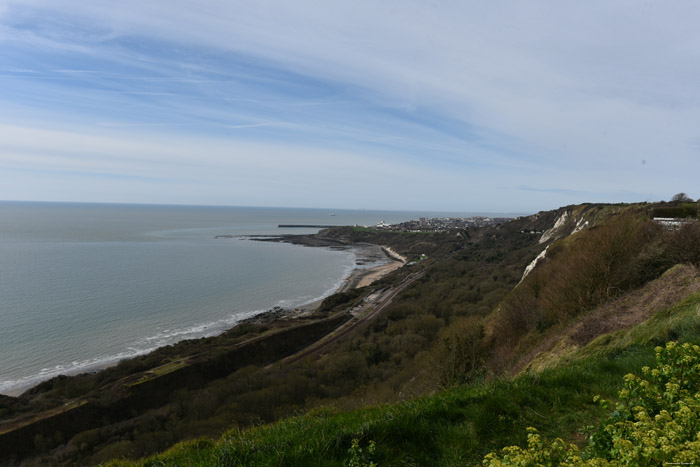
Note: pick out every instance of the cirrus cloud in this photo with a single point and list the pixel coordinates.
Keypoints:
(450, 106)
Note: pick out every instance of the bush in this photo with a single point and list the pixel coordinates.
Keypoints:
(685, 210)
(460, 352)
(681, 198)
(583, 272)
(684, 245)
(340, 298)
(656, 422)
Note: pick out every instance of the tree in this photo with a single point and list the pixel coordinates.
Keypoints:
(681, 198)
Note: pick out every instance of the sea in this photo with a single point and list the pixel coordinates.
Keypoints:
(83, 286)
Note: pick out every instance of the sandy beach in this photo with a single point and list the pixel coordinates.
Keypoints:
(360, 276)
(363, 277)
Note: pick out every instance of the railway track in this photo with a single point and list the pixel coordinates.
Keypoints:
(370, 313)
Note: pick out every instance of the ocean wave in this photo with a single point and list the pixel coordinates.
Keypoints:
(207, 329)
(73, 368)
(141, 347)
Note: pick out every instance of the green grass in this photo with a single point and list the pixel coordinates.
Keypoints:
(680, 322)
(458, 426)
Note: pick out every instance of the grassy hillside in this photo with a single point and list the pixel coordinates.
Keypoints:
(460, 425)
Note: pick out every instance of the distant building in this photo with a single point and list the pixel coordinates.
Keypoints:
(441, 224)
(674, 223)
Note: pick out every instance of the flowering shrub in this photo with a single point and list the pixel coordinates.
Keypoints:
(656, 421)
(361, 457)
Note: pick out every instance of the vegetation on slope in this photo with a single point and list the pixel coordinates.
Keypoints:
(581, 272)
(656, 421)
(440, 332)
(461, 424)
(458, 426)
(385, 360)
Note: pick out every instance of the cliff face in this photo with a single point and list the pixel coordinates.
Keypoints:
(553, 226)
(592, 257)
(560, 223)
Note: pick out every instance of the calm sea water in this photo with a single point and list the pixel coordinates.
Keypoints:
(84, 285)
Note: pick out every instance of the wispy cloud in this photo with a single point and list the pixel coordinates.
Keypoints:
(620, 195)
(486, 96)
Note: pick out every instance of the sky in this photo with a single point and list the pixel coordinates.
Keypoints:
(498, 106)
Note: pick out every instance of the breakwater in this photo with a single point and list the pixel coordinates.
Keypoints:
(305, 226)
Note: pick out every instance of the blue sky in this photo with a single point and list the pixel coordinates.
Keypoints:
(448, 106)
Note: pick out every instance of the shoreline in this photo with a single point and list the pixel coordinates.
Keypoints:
(370, 253)
(359, 276)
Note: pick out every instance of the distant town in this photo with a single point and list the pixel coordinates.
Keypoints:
(423, 224)
(441, 224)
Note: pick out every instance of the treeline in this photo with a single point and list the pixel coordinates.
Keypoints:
(683, 208)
